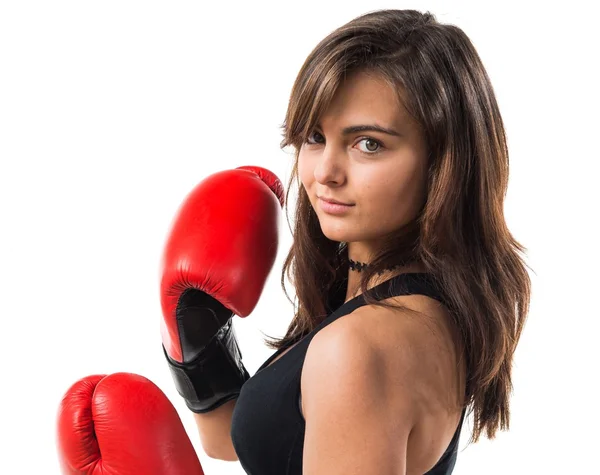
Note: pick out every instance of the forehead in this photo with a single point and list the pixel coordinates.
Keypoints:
(363, 97)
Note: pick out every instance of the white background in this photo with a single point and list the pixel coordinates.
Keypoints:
(110, 112)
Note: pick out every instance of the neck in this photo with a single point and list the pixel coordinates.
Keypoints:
(354, 277)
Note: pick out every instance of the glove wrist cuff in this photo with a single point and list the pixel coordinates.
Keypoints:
(214, 377)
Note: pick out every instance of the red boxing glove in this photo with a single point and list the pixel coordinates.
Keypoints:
(218, 255)
(122, 424)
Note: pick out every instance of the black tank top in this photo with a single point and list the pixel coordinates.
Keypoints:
(267, 426)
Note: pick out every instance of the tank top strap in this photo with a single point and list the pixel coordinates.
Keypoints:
(411, 283)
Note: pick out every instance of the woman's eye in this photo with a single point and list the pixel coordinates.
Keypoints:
(373, 146)
(311, 135)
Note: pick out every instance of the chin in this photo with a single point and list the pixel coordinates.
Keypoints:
(340, 232)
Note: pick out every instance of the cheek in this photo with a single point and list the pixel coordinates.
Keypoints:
(305, 175)
(303, 168)
(387, 198)
(306, 170)
(377, 189)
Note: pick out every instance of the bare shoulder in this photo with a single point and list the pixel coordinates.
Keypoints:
(420, 337)
(357, 419)
(410, 355)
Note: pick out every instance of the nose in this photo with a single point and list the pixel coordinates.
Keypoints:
(330, 168)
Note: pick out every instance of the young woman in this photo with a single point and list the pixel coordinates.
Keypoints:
(411, 292)
(411, 295)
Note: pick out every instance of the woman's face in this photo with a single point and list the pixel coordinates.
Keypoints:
(382, 176)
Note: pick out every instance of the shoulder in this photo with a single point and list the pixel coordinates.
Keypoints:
(387, 376)
(379, 349)
(366, 354)
(357, 418)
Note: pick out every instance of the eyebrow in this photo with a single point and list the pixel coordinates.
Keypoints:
(366, 128)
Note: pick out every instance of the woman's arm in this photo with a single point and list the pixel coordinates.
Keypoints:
(214, 428)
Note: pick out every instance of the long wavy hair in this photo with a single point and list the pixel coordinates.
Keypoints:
(460, 234)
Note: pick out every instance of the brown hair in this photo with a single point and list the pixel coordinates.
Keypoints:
(460, 235)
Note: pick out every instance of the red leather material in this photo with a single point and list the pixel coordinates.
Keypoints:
(223, 241)
(122, 424)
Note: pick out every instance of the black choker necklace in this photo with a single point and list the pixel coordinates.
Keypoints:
(359, 266)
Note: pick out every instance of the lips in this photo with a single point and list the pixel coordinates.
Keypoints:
(334, 209)
(331, 200)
